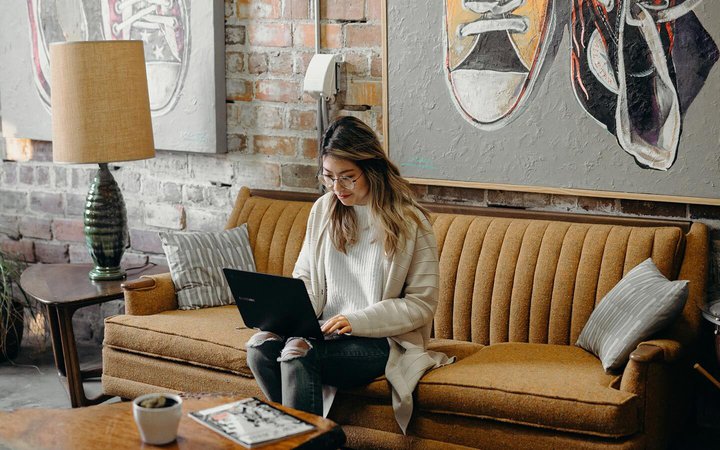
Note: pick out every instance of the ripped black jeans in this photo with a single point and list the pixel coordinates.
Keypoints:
(292, 371)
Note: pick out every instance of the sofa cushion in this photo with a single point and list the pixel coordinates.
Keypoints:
(540, 385)
(380, 389)
(128, 375)
(640, 305)
(451, 347)
(208, 337)
(196, 261)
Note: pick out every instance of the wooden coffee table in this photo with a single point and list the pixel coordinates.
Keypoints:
(112, 426)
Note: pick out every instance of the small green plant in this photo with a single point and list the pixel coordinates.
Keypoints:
(13, 302)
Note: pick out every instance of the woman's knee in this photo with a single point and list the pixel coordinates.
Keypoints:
(260, 349)
(295, 348)
(260, 338)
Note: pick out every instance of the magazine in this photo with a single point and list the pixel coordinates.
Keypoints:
(251, 422)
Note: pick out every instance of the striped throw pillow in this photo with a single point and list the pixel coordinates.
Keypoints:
(196, 261)
(641, 304)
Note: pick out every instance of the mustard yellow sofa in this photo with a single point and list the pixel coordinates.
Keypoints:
(516, 290)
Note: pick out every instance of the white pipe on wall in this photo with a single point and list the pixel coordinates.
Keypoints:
(317, 26)
(319, 120)
(322, 114)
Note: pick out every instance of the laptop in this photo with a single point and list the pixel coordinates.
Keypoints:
(273, 303)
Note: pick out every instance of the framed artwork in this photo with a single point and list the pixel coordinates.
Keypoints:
(609, 98)
(184, 54)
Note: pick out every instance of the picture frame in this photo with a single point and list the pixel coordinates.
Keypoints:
(553, 146)
(184, 54)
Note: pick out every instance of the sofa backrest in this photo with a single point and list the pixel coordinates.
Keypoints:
(517, 280)
(276, 229)
(510, 279)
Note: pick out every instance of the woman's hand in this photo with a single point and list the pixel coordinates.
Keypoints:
(336, 323)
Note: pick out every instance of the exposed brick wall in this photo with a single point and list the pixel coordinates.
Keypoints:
(271, 140)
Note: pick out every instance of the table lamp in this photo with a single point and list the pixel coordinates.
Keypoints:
(101, 114)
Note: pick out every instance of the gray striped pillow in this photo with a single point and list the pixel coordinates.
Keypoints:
(641, 304)
(196, 261)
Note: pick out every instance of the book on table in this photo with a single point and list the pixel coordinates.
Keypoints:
(251, 422)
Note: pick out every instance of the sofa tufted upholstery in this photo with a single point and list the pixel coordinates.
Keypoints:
(515, 293)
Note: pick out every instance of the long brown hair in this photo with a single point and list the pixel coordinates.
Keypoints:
(392, 203)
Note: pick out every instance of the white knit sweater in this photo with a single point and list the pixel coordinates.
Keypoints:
(357, 278)
(405, 313)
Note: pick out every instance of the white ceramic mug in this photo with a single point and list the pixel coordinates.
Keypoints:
(158, 426)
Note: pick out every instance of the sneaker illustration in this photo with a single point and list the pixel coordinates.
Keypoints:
(635, 68)
(493, 55)
(52, 21)
(163, 27)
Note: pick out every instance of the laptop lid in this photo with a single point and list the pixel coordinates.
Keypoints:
(273, 303)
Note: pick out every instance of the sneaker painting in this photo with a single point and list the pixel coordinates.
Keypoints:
(163, 27)
(636, 66)
(494, 50)
(52, 21)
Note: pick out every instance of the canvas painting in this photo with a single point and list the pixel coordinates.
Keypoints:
(636, 67)
(184, 54)
(494, 51)
(616, 96)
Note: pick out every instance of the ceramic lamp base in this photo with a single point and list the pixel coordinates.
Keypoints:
(107, 273)
(105, 226)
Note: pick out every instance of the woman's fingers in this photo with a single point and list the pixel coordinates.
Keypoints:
(326, 326)
(342, 325)
(336, 323)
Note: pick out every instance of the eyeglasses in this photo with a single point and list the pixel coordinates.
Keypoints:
(344, 182)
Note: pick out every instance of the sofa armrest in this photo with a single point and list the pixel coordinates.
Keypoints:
(150, 294)
(654, 374)
(647, 354)
(654, 351)
(666, 350)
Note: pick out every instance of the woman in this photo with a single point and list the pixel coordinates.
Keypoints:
(370, 265)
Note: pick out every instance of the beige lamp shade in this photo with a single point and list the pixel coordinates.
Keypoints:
(100, 103)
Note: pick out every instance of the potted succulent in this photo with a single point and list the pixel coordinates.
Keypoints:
(157, 417)
(12, 307)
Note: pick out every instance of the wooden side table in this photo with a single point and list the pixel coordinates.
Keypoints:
(112, 426)
(63, 289)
